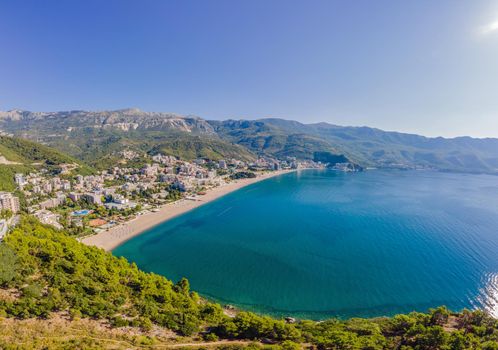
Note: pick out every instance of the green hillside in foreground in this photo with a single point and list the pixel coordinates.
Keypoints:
(20, 155)
(45, 273)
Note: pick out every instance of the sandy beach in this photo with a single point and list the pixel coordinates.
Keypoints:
(119, 234)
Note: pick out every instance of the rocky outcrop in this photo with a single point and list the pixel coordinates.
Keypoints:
(123, 120)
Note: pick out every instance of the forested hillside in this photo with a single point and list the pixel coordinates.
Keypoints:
(45, 273)
(27, 152)
(374, 147)
(266, 139)
(20, 155)
(97, 138)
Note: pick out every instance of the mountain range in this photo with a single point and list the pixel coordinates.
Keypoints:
(96, 137)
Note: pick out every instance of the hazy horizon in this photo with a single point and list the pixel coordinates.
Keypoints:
(419, 67)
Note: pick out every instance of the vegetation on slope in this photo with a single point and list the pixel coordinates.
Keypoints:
(265, 139)
(97, 137)
(62, 333)
(370, 146)
(7, 173)
(22, 156)
(53, 272)
(24, 151)
(44, 272)
(100, 147)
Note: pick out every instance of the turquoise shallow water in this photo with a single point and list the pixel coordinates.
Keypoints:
(319, 243)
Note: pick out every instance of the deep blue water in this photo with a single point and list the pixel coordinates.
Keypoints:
(319, 243)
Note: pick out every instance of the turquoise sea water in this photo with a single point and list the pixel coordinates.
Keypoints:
(319, 243)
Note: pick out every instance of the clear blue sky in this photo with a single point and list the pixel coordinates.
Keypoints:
(423, 66)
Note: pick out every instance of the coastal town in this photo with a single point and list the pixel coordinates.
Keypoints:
(85, 205)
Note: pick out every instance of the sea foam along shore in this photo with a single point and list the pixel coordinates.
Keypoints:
(119, 234)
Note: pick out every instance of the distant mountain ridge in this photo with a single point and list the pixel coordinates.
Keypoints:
(375, 147)
(265, 138)
(90, 134)
(98, 137)
(124, 119)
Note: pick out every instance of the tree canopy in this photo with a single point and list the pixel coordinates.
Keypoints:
(47, 271)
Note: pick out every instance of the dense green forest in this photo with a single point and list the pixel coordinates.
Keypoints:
(243, 175)
(44, 272)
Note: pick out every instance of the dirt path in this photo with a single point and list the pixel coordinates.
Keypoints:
(209, 344)
(4, 161)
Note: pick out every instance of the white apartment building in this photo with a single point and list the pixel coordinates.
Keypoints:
(9, 201)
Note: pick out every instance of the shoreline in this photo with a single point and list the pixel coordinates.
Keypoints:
(121, 233)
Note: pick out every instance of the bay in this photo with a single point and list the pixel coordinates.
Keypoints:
(320, 243)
